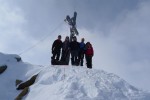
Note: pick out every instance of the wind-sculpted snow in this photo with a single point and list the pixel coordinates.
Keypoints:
(65, 83)
(80, 83)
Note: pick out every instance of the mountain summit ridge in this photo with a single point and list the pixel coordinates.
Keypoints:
(65, 83)
(80, 83)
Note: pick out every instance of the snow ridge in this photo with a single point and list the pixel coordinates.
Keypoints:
(80, 83)
(65, 83)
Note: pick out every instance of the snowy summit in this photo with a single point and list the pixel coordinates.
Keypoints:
(64, 83)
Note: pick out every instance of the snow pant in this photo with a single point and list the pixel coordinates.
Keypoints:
(74, 55)
(81, 57)
(89, 61)
(65, 57)
(56, 53)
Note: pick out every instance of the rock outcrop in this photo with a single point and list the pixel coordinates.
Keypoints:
(27, 83)
(23, 93)
(3, 68)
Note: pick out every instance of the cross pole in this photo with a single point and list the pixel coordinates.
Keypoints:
(72, 23)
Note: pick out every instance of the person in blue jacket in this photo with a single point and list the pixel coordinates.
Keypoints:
(81, 52)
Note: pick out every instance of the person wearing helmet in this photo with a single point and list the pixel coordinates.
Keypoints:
(56, 48)
(81, 52)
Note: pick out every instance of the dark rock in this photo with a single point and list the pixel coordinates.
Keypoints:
(18, 82)
(27, 83)
(3, 68)
(18, 59)
(23, 93)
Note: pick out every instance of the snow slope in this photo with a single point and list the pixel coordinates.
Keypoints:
(15, 70)
(78, 83)
(65, 83)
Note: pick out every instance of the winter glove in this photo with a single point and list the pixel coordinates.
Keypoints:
(92, 55)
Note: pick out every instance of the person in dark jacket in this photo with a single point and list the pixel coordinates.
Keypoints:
(89, 52)
(81, 52)
(74, 49)
(56, 48)
(65, 49)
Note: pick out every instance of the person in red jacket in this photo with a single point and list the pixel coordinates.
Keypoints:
(89, 52)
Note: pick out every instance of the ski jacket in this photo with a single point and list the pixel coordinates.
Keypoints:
(74, 45)
(57, 45)
(65, 45)
(89, 51)
(82, 47)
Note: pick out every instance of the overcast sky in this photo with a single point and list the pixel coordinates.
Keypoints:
(118, 29)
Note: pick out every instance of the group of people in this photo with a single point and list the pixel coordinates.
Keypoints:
(78, 51)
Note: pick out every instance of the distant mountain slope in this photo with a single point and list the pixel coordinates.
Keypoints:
(65, 83)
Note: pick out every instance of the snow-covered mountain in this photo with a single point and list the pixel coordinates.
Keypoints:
(65, 83)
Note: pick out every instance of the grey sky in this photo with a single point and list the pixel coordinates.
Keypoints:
(118, 29)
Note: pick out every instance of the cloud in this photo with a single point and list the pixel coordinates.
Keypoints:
(125, 49)
(14, 37)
